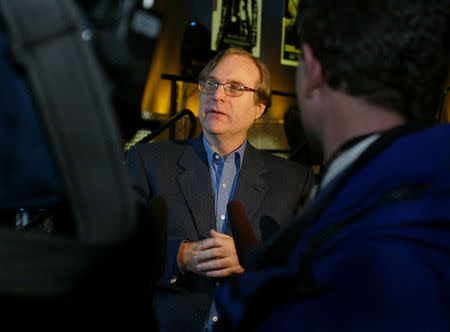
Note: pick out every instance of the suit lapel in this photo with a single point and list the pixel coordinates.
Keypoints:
(251, 187)
(195, 184)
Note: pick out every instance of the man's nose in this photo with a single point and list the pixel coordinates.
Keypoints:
(220, 92)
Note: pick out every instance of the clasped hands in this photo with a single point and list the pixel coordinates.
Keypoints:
(213, 257)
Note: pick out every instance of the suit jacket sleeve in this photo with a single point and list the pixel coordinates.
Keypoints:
(142, 187)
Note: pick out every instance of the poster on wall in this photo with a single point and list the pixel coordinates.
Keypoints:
(290, 52)
(236, 23)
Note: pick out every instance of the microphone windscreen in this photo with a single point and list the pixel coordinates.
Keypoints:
(243, 235)
(268, 226)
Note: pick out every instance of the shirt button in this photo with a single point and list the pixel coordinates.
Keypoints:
(215, 319)
(222, 217)
(224, 185)
(216, 156)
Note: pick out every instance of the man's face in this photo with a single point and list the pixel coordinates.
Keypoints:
(225, 116)
(309, 115)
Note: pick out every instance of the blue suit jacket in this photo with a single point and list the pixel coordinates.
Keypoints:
(178, 171)
(371, 253)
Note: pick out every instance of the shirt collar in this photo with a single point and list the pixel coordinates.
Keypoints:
(210, 152)
(346, 158)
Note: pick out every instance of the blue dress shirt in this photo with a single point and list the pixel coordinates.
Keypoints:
(224, 177)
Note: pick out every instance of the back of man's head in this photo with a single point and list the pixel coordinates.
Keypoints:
(394, 53)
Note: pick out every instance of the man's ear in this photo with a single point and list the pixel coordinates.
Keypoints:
(312, 70)
(260, 108)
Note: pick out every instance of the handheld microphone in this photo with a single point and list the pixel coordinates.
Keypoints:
(244, 238)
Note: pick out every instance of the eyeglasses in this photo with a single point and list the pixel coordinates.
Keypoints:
(231, 88)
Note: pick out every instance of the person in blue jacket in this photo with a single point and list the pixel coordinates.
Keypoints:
(372, 250)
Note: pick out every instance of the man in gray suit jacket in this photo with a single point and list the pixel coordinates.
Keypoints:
(198, 177)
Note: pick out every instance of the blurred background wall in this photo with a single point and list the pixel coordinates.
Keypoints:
(269, 132)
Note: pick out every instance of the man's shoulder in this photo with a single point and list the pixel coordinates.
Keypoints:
(162, 153)
(166, 146)
(273, 161)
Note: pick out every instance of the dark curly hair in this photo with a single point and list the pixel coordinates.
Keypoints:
(394, 53)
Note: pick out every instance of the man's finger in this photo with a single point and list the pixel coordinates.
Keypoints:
(216, 234)
(217, 264)
(212, 243)
(237, 269)
(215, 253)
